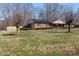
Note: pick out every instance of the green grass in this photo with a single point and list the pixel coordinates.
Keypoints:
(48, 42)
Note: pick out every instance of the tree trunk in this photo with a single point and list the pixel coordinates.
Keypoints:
(51, 26)
(69, 28)
(17, 31)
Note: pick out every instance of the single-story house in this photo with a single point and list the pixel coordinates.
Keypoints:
(76, 24)
(38, 24)
(43, 24)
(58, 24)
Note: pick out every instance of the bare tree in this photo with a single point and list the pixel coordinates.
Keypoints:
(17, 20)
(76, 18)
(40, 14)
(52, 11)
(16, 14)
(68, 16)
(6, 13)
(20, 16)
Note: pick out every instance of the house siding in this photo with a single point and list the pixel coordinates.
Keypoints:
(40, 26)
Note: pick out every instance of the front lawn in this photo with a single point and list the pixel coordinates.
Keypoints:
(48, 42)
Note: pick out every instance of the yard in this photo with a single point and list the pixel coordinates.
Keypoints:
(48, 42)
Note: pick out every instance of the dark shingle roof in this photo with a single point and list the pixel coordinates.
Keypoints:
(39, 21)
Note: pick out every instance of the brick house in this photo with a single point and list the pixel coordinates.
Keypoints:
(35, 24)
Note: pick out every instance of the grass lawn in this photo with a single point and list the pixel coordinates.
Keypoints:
(48, 42)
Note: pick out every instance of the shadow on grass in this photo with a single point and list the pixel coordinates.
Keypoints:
(8, 34)
(58, 32)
